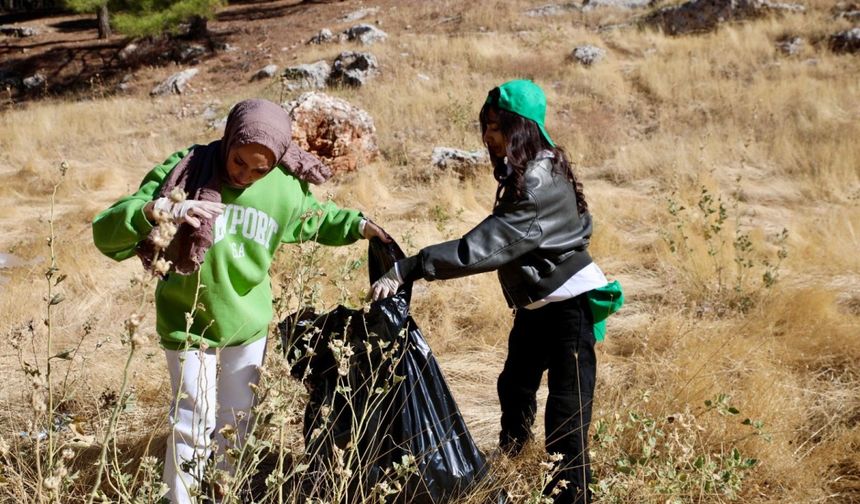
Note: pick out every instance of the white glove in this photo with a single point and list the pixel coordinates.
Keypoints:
(387, 284)
(189, 211)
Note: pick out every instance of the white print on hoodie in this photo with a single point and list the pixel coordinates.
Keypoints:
(253, 224)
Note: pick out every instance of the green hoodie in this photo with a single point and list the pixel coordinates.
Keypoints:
(235, 294)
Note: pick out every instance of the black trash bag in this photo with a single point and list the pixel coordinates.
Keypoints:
(388, 397)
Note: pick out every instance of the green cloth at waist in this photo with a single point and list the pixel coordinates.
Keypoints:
(604, 302)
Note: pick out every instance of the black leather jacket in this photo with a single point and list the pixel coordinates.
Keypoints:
(536, 241)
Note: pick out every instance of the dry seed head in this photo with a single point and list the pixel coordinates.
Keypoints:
(228, 432)
(133, 322)
(159, 242)
(161, 216)
(138, 340)
(51, 483)
(162, 266)
(4, 447)
(168, 229)
(38, 401)
(177, 195)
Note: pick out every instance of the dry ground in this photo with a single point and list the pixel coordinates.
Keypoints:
(662, 123)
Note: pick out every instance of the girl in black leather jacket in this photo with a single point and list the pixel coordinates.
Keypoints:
(536, 239)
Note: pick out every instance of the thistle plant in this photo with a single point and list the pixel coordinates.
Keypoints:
(165, 230)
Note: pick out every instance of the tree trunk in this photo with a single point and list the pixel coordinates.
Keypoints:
(104, 21)
(198, 27)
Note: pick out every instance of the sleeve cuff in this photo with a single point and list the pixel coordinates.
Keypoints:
(140, 222)
(410, 269)
(361, 225)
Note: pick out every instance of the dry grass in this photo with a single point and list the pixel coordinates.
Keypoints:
(661, 117)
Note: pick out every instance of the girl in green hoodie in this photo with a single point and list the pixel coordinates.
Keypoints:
(208, 221)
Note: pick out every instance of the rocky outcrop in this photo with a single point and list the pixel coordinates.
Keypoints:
(588, 5)
(125, 84)
(307, 76)
(846, 10)
(367, 34)
(552, 10)
(324, 36)
(340, 134)
(18, 31)
(353, 69)
(847, 41)
(587, 55)
(267, 72)
(174, 84)
(790, 45)
(698, 16)
(359, 14)
(463, 163)
(129, 52)
(35, 81)
(189, 53)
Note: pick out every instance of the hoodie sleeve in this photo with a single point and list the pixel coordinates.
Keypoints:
(117, 230)
(323, 223)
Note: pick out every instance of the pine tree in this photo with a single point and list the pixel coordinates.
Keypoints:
(141, 18)
(100, 7)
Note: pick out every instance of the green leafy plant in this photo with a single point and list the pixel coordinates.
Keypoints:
(643, 457)
(715, 257)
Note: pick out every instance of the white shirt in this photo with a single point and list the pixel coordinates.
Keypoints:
(588, 278)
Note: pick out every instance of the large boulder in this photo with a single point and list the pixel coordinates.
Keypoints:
(340, 134)
(463, 163)
(847, 41)
(698, 16)
(307, 76)
(353, 69)
(367, 34)
(175, 84)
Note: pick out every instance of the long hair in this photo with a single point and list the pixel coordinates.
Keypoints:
(524, 142)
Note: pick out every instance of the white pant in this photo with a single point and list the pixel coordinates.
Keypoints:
(210, 390)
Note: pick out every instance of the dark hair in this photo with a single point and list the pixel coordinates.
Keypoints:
(524, 142)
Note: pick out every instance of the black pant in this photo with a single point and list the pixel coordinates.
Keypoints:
(557, 337)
